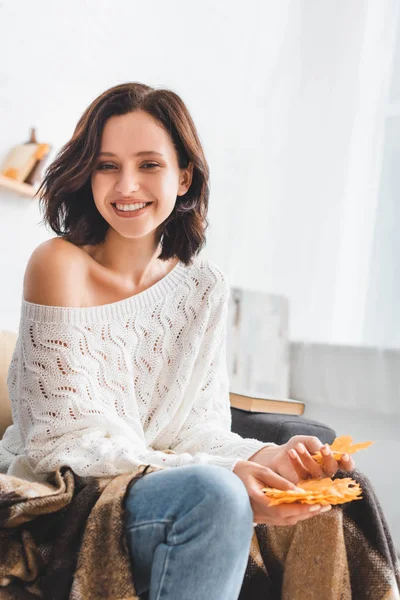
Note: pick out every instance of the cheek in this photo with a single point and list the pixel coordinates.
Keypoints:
(95, 186)
(167, 180)
(99, 192)
(99, 184)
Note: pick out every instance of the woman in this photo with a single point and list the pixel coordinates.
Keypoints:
(120, 360)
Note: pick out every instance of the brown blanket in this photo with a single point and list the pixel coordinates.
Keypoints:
(65, 540)
(345, 554)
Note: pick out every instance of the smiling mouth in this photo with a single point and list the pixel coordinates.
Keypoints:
(127, 204)
(128, 214)
(129, 211)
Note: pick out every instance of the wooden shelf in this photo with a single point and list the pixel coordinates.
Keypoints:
(22, 189)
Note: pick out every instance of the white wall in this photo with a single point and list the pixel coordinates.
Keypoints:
(274, 89)
(382, 317)
(382, 323)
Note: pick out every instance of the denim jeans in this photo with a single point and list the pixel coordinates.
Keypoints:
(189, 531)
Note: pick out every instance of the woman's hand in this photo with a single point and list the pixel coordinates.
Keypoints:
(255, 477)
(294, 462)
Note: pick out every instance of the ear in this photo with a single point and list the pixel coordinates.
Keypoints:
(185, 179)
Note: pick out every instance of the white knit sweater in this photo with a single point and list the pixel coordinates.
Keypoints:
(144, 380)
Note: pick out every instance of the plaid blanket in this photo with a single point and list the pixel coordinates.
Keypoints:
(345, 554)
(65, 540)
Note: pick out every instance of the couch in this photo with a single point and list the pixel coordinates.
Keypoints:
(265, 427)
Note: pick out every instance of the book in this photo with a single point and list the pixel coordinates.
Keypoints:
(19, 162)
(22, 162)
(35, 174)
(255, 403)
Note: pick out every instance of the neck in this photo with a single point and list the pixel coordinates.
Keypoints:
(134, 262)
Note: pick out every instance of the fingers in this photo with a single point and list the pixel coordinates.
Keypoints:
(296, 510)
(290, 514)
(347, 463)
(271, 479)
(298, 466)
(303, 462)
(311, 513)
(265, 477)
(306, 466)
(311, 442)
(313, 510)
(329, 464)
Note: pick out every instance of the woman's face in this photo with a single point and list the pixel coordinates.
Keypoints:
(137, 162)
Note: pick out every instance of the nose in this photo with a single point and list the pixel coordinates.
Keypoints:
(127, 182)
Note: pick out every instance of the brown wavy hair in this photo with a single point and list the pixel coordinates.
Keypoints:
(65, 194)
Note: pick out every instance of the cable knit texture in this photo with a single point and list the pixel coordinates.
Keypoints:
(143, 380)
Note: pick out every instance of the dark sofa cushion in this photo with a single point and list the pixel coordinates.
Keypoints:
(270, 427)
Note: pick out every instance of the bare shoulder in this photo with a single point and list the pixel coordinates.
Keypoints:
(55, 274)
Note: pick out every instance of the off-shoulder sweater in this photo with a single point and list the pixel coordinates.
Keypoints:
(106, 389)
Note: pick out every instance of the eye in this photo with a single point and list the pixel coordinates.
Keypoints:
(100, 167)
(151, 164)
(109, 166)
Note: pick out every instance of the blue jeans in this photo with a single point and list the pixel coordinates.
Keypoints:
(189, 531)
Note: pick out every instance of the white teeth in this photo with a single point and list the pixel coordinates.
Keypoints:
(130, 207)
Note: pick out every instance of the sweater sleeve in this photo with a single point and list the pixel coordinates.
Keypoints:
(207, 427)
(58, 404)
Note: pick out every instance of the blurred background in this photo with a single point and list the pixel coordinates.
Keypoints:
(297, 105)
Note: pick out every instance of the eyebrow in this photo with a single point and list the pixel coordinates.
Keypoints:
(141, 153)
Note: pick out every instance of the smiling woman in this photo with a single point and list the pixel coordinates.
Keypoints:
(120, 367)
(133, 144)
